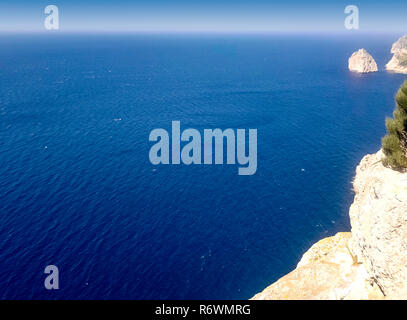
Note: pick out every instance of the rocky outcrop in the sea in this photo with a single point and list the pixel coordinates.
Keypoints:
(368, 263)
(399, 61)
(361, 61)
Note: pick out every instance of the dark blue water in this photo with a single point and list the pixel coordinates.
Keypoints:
(77, 189)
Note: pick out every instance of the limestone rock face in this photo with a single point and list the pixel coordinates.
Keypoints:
(399, 61)
(379, 224)
(362, 62)
(326, 271)
(368, 263)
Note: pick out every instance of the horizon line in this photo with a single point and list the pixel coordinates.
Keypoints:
(175, 31)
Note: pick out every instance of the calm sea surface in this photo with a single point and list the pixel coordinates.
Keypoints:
(77, 189)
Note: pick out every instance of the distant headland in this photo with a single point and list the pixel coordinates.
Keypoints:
(399, 61)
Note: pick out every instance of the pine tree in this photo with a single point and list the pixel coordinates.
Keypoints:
(394, 144)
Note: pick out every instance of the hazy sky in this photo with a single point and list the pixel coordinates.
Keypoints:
(206, 16)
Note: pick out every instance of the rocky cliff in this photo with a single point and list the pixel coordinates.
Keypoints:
(399, 61)
(370, 262)
(361, 61)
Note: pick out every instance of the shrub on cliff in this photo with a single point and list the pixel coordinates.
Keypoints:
(394, 144)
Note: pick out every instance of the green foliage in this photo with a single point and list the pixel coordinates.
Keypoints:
(401, 99)
(394, 144)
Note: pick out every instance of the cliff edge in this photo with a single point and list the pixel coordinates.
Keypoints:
(370, 262)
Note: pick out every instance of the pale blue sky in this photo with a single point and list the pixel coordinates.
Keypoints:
(204, 16)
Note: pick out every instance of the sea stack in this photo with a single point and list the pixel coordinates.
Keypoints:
(362, 62)
(370, 262)
(398, 63)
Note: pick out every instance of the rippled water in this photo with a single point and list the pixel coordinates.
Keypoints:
(77, 189)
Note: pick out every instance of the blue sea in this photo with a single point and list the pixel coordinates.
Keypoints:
(77, 189)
